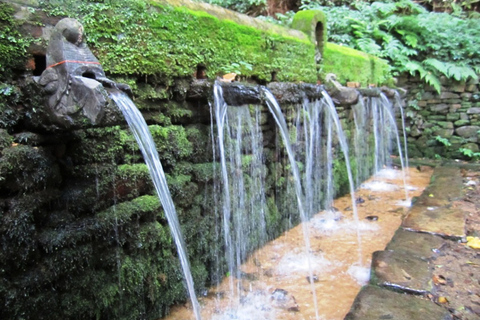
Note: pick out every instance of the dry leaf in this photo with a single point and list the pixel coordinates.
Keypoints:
(473, 242)
(439, 280)
(229, 77)
(442, 300)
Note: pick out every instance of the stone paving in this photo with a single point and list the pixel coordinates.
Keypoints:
(401, 275)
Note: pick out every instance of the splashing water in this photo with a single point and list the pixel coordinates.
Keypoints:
(282, 126)
(140, 130)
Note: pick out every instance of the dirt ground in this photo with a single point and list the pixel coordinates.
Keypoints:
(456, 275)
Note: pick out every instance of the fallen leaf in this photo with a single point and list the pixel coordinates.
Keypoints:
(442, 300)
(431, 195)
(473, 242)
(439, 280)
(229, 77)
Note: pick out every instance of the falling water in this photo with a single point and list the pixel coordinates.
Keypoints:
(398, 103)
(240, 146)
(332, 113)
(361, 140)
(391, 118)
(282, 126)
(145, 141)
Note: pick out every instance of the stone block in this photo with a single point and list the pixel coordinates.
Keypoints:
(433, 101)
(454, 107)
(440, 108)
(464, 116)
(415, 132)
(475, 110)
(428, 95)
(445, 124)
(466, 95)
(458, 87)
(461, 123)
(422, 103)
(467, 131)
(453, 116)
(401, 270)
(444, 133)
(471, 88)
(449, 95)
(437, 117)
(378, 303)
(472, 146)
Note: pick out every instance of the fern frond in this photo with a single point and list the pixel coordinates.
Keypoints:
(413, 66)
(434, 81)
(436, 65)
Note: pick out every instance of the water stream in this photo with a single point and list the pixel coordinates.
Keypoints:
(142, 134)
(282, 126)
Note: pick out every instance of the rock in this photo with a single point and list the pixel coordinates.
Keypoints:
(449, 95)
(467, 131)
(472, 146)
(444, 133)
(474, 110)
(281, 299)
(377, 303)
(440, 108)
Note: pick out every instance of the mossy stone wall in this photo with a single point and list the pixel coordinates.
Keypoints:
(443, 125)
(84, 235)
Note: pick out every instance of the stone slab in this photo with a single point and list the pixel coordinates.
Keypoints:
(443, 221)
(418, 244)
(401, 271)
(373, 303)
(433, 211)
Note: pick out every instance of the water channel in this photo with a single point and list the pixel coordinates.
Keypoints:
(275, 279)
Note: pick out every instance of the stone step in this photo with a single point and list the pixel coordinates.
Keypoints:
(378, 303)
(435, 212)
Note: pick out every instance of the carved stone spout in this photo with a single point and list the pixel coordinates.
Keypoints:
(74, 81)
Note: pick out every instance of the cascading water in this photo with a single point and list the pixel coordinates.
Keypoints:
(332, 113)
(240, 146)
(282, 126)
(398, 104)
(390, 115)
(145, 141)
(361, 140)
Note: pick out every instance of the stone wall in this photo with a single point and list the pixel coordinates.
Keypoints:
(442, 125)
(83, 234)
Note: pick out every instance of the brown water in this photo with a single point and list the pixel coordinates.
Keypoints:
(338, 275)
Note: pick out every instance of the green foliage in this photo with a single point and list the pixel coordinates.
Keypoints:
(411, 38)
(469, 153)
(243, 6)
(134, 37)
(443, 141)
(12, 44)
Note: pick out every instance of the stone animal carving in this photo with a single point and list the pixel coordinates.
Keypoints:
(339, 93)
(74, 80)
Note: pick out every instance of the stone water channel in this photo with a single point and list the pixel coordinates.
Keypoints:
(275, 282)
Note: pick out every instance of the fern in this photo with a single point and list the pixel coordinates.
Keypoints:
(434, 81)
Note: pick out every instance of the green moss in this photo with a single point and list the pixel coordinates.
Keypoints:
(352, 65)
(171, 142)
(314, 24)
(13, 45)
(134, 37)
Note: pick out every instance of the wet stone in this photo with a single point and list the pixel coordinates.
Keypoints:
(421, 245)
(433, 212)
(378, 303)
(401, 271)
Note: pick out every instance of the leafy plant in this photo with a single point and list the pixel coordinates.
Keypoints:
(443, 141)
(469, 153)
(411, 38)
